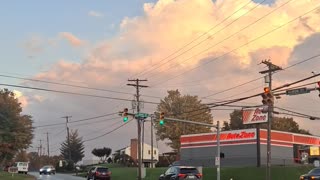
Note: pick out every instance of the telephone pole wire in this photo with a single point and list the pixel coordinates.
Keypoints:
(268, 79)
(68, 135)
(138, 86)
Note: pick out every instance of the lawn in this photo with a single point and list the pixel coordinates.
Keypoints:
(245, 173)
(8, 176)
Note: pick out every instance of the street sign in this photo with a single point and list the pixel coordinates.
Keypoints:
(254, 115)
(297, 91)
(141, 115)
(217, 161)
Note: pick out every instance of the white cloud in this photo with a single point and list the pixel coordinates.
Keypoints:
(21, 98)
(95, 14)
(166, 26)
(72, 39)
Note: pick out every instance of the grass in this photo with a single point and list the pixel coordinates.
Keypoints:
(245, 173)
(8, 176)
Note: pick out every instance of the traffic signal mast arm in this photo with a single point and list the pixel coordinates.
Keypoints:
(191, 122)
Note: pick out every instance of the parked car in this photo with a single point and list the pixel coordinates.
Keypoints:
(181, 173)
(314, 174)
(23, 167)
(97, 172)
(48, 169)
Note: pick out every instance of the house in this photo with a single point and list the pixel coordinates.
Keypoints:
(132, 151)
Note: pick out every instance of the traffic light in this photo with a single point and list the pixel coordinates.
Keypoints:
(221, 155)
(267, 96)
(161, 122)
(125, 115)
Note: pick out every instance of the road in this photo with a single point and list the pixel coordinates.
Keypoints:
(55, 177)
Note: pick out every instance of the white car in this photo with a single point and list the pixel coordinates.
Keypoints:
(47, 170)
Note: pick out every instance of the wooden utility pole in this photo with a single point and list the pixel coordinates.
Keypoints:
(271, 68)
(68, 135)
(138, 86)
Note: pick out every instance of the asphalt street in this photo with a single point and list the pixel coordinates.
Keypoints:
(55, 177)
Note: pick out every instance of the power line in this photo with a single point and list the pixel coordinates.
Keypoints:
(107, 132)
(158, 66)
(73, 93)
(72, 85)
(248, 82)
(245, 44)
(80, 120)
(297, 113)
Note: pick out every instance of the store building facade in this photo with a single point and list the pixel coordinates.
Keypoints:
(242, 148)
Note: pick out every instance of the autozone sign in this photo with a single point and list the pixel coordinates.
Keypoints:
(254, 115)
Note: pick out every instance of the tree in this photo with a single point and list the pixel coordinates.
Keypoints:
(182, 107)
(278, 123)
(16, 132)
(102, 153)
(76, 147)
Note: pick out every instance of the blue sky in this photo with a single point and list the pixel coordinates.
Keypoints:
(23, 20)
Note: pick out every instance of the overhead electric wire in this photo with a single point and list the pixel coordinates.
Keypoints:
(245, 44)
(248, 82)
(227, 102)
(73, 93)
(80, 120)
(301, 114)
(109, 132)
(157, 66)
(72, 85)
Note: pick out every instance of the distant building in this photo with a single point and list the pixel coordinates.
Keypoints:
(248, 147)
(132, 151)
(93, 160)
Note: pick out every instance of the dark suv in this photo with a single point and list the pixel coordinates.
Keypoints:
(181, 173)
(97, 172)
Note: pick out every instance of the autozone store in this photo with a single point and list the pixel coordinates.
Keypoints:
(240, 147)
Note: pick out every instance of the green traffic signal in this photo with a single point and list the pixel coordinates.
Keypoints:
(161, 122)
(125, 119)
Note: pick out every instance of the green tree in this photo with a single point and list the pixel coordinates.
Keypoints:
(76, 147)
(278, 123)
(102, 153)
(16, 132)
(182, 107)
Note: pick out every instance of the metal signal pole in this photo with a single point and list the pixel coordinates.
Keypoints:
(138, 86)
(271, 68)
(152, 141)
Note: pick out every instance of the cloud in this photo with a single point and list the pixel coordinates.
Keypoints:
(166, 26)
(95, 14)
(72, 39)
(21, 98)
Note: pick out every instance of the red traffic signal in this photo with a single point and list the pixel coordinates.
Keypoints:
(267, 96)
(266, 90)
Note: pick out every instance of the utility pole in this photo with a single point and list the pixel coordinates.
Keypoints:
(138, 86)
(40, 147)
(218, 150)
(68, 135)
(48, 144)
(152, 141)
(271, 68)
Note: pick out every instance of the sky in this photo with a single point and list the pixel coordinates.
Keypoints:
(200, 47)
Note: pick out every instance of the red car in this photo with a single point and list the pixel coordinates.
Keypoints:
(102, 173)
